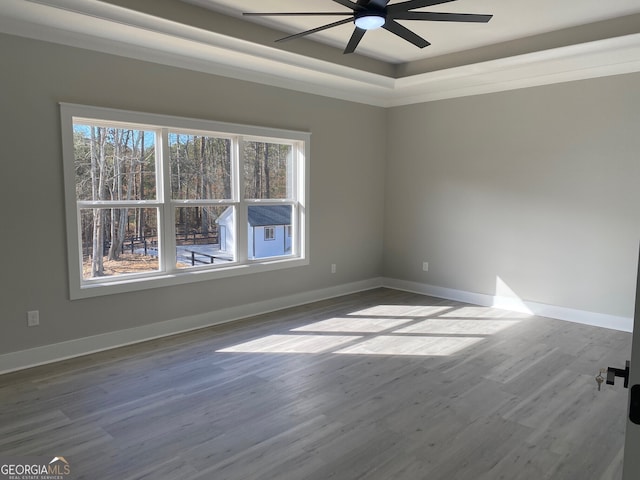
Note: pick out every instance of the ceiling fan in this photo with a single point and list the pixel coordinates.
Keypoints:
(372, 14)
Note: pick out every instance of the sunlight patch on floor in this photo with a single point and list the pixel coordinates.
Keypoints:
(455, 327)
(292, 344)
(481, 313)
(417, 330)
(353, 325)
(402, 311)
(410, 345)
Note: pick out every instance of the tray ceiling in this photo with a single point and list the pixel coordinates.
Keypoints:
(525, 44)
(512, 20)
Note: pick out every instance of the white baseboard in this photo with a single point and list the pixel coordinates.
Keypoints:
(613, 322)
(83, 346)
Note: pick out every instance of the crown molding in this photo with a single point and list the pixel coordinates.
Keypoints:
(601, 58)
(107, 28)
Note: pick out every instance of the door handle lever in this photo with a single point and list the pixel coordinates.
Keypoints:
(612, 373)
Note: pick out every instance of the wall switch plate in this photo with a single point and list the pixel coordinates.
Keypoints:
(333, 268)
(425, 266)
(33, 318)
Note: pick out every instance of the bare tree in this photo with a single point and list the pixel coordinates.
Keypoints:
(267, 183)
(141, 219)
(98, 160)
(226, 173)
(123, 167)
(204, 186)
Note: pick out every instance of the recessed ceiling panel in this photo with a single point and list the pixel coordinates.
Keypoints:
(512, 19)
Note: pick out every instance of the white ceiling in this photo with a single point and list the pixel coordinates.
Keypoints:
(527, 43)
(512, 19)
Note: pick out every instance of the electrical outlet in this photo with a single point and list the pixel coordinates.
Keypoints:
(425, 266)
(33, 318)
(333, 268)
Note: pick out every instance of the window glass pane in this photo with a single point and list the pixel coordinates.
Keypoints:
(268, 231)
(204, 235)
(267, 170)
(118, 241)
(200, 167)
(114, 163)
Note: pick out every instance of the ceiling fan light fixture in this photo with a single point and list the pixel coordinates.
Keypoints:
(370, 20)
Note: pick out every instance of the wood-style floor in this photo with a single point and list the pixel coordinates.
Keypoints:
(377, 385)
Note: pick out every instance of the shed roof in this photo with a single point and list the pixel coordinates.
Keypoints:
(262, 215)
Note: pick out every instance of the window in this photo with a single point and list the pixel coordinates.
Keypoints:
(269, 233)
(156, 200)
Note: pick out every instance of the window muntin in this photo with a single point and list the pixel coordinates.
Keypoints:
(174, 192)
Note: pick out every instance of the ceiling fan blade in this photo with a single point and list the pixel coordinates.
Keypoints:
(441, 17)
(314, 30)
(290, 14)
(349, 4)
(405, 33)
(413, 4)
(378, 3)
(358, 33)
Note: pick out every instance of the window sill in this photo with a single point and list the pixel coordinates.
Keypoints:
(125, 285)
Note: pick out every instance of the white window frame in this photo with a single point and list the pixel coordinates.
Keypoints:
(169, 274)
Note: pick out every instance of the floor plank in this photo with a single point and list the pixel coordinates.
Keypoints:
(376, 385)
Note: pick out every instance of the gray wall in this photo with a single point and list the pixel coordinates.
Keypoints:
(539, 187)
(346, 210)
